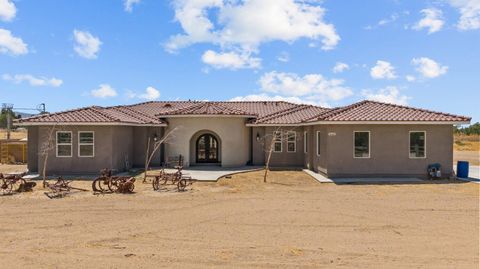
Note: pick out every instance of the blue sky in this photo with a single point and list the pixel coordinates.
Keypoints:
(69, 54)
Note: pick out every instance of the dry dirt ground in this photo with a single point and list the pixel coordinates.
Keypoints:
(290, 222)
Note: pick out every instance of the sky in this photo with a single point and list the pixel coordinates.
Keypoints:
(70, 54)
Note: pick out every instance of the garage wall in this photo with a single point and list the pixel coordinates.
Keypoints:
(389, 150)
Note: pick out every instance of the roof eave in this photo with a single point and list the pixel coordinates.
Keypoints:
(89, 124)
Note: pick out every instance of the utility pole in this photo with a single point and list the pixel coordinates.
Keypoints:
(8, 108)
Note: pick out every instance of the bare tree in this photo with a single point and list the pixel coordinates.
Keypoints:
(278, 136)
(156, 146)
(47, 145)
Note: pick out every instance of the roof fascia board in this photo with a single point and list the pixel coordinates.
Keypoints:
(363, 123)
(87, 124)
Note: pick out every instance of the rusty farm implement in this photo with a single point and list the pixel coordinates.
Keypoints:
(60, 188)
(108, 183)
(14, 183)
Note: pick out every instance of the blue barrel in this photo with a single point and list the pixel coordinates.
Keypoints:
(462, 169)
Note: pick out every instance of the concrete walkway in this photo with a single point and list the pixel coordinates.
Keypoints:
(322, 179)
(214, 173)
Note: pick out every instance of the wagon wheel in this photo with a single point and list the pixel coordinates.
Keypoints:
(156, 183)
(97, 185)
(19, 184)
(131, 187)
(113, 184)
(5, 188)
(182, 184)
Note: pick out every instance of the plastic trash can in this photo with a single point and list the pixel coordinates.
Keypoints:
(462, 169)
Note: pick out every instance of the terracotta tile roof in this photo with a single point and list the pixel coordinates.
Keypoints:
(207, 108)
(376, 111)
(151, 113)
(94, 114)
(296, 114)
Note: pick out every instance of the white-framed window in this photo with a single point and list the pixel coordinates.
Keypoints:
(361, 144)
(319, 142)
(86, 144)
(305, 142)
(291, 141)
(417, 144)
(277, 144)
(64, 144)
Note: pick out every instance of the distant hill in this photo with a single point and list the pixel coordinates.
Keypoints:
(23, 115)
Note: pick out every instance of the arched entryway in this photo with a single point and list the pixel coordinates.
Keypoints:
(206, 149)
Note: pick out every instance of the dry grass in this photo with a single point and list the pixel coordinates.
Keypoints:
(467, 142)
(14, 134)
(290, 222)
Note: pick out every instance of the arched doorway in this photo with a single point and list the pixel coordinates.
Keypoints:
(206, 149)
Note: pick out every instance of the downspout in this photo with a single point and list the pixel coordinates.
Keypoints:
(250, 162)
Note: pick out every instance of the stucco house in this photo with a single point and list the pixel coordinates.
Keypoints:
(367, 139)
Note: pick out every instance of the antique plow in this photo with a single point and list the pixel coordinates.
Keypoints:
(176, 178)
(14, 183)
(60, 188)
(108, 183)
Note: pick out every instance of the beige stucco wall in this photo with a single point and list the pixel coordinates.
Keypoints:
(140, 141)
(284, 158)
(32, 146)
(389, 150)
(113, 144)
(232, 132)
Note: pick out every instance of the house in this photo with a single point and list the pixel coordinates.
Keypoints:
(368, 139)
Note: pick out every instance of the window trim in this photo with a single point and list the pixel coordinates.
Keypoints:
(305, 142)
(318, 135)
(294, 141)
(369, 144)
(275, 139)
(64, 144)
(86, 144)
(425, 146)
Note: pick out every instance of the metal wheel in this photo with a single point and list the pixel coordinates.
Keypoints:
(19, 184)
(131, 187)
(156, 183)
(97, 185)
(5, 188)
(113, 184)
(182, 184)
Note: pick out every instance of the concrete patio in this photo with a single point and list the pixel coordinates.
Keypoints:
(322, 179)
(214, 173)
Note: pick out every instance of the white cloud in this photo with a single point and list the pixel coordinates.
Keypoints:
(389, 94)
(394, 17)
(86, 45)
(410, 78)
(104, 91)
(128, 4)
(266, 97)
(428, 67)
(432, 20)
(383, 70)
(10, 44)
(340, 67)
(283, 57)
(245, 25)
(32, 80)
(7, 10)
(230, 60)
(313, 87)
(469, 13)
(150, 94)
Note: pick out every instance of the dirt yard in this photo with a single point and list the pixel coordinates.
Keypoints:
(290, 222)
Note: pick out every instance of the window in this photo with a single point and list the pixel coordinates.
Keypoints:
(86, 144)
(291, 141)
(417, 144)
(319, 144)
(277, 146)
(362, 144)
(64, 144)
(305, 142)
